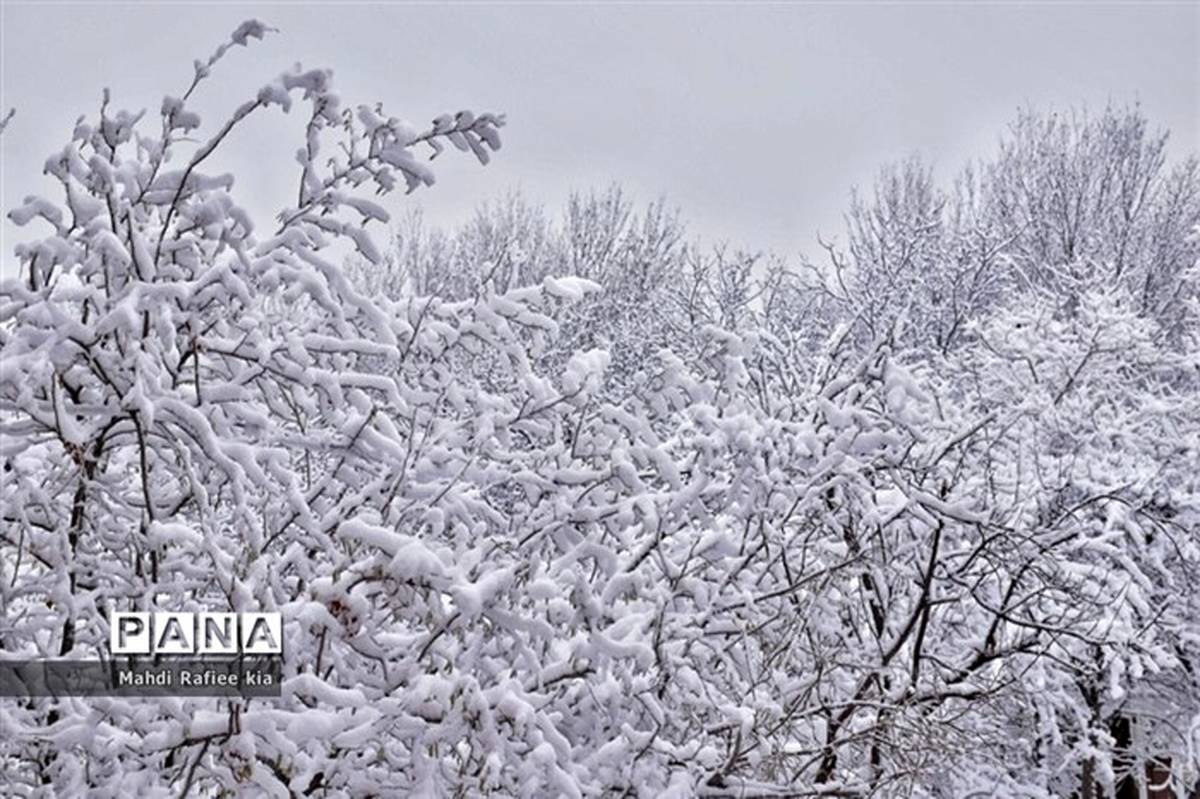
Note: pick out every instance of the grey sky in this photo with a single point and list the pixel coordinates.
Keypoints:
(754, 119)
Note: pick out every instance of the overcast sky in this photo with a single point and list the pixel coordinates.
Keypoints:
(754, 119)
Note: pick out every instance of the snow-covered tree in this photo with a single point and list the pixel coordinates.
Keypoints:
(188, 407)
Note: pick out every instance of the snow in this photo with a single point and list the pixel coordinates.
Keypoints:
(571, 509)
